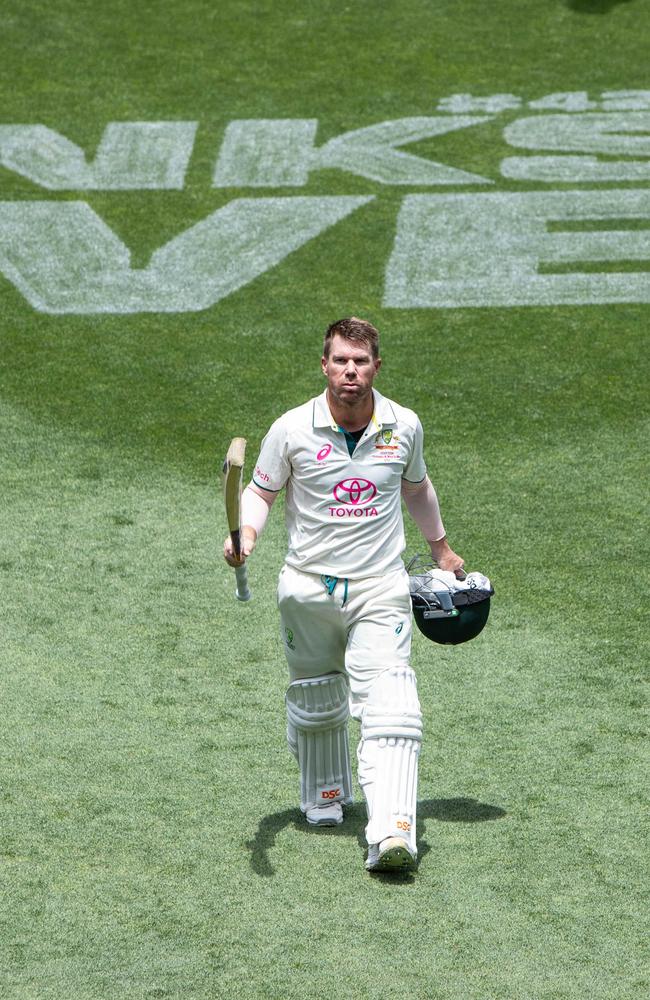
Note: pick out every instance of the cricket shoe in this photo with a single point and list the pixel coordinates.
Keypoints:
(392, 855)
(328, 815)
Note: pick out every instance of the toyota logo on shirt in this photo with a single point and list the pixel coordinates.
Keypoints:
(355, 492)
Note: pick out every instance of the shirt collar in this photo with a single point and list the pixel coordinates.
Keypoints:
(382, 416)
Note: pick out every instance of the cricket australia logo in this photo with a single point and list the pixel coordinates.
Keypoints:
(356, 494)
(386, 441)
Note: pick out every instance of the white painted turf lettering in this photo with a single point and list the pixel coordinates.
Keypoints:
(455, 251)
(65, 259)
(265, 153)
(477, 249)
(608, 134)
(131, 156)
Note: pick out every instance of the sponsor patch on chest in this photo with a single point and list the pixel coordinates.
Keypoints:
(387, 444)
(354, 497)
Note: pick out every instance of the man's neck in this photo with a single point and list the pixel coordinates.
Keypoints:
(352, 418)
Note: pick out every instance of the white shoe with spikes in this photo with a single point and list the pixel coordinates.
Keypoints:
(392, 855)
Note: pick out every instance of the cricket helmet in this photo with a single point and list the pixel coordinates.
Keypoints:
(447, 610)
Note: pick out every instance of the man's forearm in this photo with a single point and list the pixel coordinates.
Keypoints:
(255, 506)
(422, 504)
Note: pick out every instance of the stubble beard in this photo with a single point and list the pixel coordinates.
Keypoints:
(352, 407)
(351, 400)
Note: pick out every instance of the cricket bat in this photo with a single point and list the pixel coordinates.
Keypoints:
(233, 469)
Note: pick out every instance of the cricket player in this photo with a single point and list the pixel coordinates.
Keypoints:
(346, 459)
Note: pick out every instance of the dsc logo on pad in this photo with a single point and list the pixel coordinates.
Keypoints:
(330, 794)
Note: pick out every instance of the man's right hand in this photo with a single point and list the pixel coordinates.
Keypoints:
(248, 539)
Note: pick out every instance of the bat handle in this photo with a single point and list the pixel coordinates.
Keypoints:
(243, 591)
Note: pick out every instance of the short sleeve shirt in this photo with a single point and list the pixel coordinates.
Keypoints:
(343, 512)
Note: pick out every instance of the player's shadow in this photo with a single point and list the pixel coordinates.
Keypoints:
(459, 810)
(594, 6)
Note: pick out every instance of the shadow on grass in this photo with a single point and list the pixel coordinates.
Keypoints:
(443, 810)
(594, 6)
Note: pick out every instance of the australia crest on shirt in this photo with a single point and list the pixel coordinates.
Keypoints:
(387, 444)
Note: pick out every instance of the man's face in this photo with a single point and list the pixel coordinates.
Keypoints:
(350, 370)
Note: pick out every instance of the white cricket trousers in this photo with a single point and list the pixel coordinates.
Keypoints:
(362, 627)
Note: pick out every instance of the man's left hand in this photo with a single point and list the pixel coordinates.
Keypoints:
(447, 559)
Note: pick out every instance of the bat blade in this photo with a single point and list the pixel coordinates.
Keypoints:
(232, 473)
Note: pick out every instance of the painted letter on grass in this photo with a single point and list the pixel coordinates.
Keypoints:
(274, 153)
(65, 259)
(130, 156)
(453, 251)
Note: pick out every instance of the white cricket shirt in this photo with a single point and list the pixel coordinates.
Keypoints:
(343, 513)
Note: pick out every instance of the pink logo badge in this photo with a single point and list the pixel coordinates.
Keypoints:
(355, 492)
(324, 452)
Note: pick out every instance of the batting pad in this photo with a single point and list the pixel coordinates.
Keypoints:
(317, 733)
(391, 736)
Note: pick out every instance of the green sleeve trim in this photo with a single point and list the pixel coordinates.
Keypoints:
(259, 485)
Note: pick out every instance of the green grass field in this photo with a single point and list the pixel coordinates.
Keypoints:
(150, 839)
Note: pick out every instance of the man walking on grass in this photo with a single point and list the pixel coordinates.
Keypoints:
(346, 458)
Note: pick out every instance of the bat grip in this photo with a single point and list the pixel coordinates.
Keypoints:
(241, 575)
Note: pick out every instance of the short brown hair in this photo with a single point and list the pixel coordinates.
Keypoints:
(354, 329)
